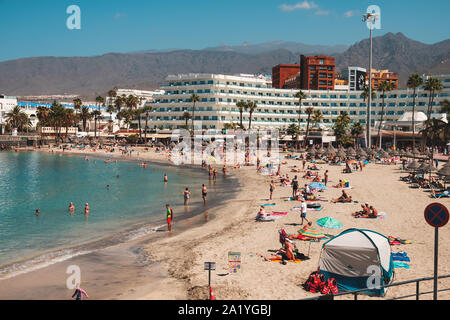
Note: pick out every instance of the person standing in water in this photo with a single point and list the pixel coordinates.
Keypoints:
(204, 192)
(165, 178)
(71, 208)
(186, 194)
(169, 215)
(86, 209)
(37, 213)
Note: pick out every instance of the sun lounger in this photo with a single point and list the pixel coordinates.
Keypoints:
(445, 194)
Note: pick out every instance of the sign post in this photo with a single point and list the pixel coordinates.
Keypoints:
(209, 266)
(437, 216)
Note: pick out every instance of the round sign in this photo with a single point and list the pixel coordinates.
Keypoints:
(436, 215)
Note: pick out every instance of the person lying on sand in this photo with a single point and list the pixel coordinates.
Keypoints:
(343, 198)
(373, 213)
(286, 253)
(313, 167)
(365, 210)
(339, 185)
(317, 179)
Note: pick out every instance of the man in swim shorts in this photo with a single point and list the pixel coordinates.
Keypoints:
(204, 192)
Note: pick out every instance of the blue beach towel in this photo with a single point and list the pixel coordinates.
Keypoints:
(401, 265)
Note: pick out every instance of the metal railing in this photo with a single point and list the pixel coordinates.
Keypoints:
(355, 293)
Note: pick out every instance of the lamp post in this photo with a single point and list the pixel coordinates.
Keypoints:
(370, 18)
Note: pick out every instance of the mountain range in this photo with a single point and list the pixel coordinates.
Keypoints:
(92, 76)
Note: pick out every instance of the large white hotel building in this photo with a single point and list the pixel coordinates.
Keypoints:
(219, 94)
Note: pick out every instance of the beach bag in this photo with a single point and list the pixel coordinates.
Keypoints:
(314, 283)
(347, 184)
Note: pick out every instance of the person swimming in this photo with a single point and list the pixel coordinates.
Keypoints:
(37, 212)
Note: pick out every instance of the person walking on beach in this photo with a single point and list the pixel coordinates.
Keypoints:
(326, 177)
(304, 207)
(271, 189)
(79, 293)
(204, 192)
(186, 194)
(294, 187)
(169, 215)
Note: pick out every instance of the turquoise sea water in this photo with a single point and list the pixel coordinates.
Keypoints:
(30, 181)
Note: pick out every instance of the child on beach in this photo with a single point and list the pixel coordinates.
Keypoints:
(169, 215)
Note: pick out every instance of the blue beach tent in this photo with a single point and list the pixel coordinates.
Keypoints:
(358, 259)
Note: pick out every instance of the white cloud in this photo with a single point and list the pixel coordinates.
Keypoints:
(322, 12)
(305, 5)
(351, 13)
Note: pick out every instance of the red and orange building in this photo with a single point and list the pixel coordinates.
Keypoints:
(318, 72)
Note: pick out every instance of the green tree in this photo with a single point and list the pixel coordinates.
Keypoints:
(294, 131)
(56, 115)
(16, 118)
(68, 118)
(432, 85)
(146, 110)
(446, 108)
(414, 81)
(194, 98)
(300, 95)
(309, 112)
(385, 86)
(186, 116)
(251, 107)
(95, 114)
(317, 117)
(110, 110)
(241, 105)
(356, 130)
(43, 116)
(340, 129)
(85, 115)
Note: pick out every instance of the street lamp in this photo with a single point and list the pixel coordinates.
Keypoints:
(371, 18)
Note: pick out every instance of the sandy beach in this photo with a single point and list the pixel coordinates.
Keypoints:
(177, 260)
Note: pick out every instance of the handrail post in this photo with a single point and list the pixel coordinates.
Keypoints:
(417, 290)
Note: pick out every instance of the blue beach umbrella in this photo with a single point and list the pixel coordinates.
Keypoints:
(329, 223)
(317, 185)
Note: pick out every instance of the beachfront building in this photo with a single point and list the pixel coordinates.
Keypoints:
(144, 96)
(277, 108)
(356, 78)
(7, 103)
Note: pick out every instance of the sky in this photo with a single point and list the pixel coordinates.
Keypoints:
(39, 27)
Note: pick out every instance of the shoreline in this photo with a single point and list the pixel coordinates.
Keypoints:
(186, 221)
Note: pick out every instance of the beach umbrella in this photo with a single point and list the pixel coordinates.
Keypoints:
(329, 222)
(384, 154)
(320, 150)
(341, 154)
(351, 152)
(317, 185)
(331, 149)
(311, 232)
(414, 165)
(408, 154)
(360, 152)
(445, 170)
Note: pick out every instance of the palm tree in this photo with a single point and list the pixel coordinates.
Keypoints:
(194, 98)
(340, 129)
(365, 93)
(110, 110)
(385, 86)
(251, 106)
(414, 81)
(300, 95)
(186, 116)
(118, 103)
(309, 112)
(231, 126)
(14, 117)
(294, 131)
(356, 130)
(111, 95)
(85, 115)
(241, 105)
(432, 85)
(56, 116)
(131, 101)
(137, 114)
(96, 114)
(446, 107)
(77, 103)
(43, 116)
(147, 110)
(68, 119)
(317, 117)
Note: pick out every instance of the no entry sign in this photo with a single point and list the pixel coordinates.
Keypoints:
(436, 215)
